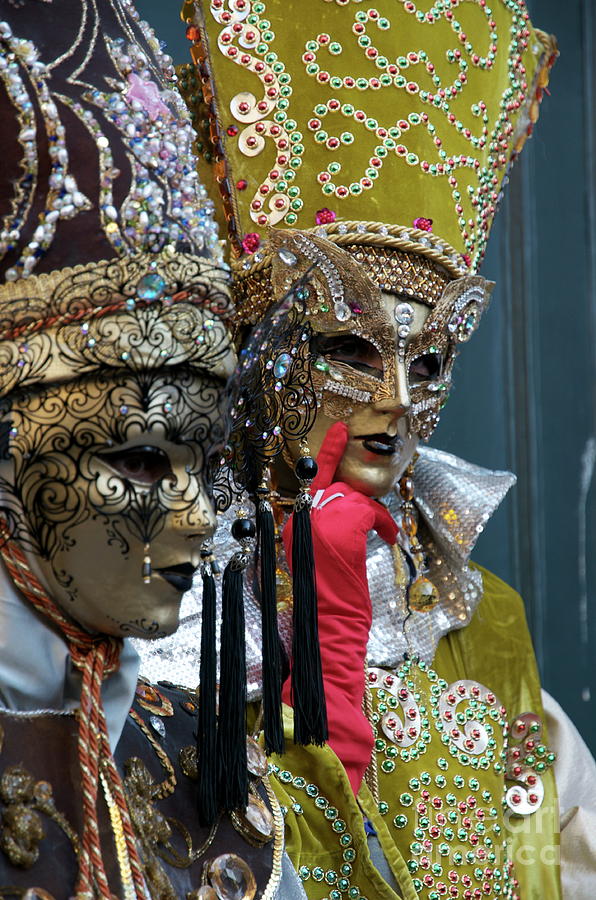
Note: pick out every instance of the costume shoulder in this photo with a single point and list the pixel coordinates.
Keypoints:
(495, 648)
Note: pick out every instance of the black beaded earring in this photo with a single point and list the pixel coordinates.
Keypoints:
(308, 695)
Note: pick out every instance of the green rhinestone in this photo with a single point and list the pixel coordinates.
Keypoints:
(387, 766)
(299, 782)
(417, 885)
(312, 69)
(530, 760)
(293, 191)
(334, 895)
(406, 799)
(318, 873)
(320, 802)
(551, 758)
(458, 858)
(324, 308)
(339, 825)
(297, 809)
(343, 884)
(425, 778)
(334, 167)
(385, 80)
(462, 834)
(285, 776)
(440, 781)
(413, 867)
(383, 808)
(285, 91)
(474, 784)
(331, 813)
(280, 117)
(400, 821)
(335, 82)
(424, 821)
(540, 750)
(346, 137)
(346, 870)
(346, 839)
(291, 218)
(414, 784)
(448, 833)
(416, 848)
(304, 872)
(540, 767)
(419, 833)
(442, 763)
(354, 893)
(261, 49)
(330, 876)
(335, 48)
(381, 151)
(295, 162)
(405, 755)
(444, 849)
(452, 816)
(392, 752)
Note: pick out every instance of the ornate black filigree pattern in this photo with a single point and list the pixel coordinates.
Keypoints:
(57, 479)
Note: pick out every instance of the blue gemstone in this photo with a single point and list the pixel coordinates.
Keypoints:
(281, 365)
(150, 287)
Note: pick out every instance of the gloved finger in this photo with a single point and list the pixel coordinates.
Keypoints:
(384, 523)
(329, 456)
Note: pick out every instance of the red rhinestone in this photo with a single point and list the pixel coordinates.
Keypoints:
(325, 216)
(193, 33)
(242, 184)
(251, 242)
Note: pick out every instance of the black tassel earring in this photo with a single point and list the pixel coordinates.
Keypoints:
(231, 731)
(272, 652)
(207, 718)
(308, 695)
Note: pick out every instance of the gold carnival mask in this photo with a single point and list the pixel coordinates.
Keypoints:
(102, 471)
(380, 361)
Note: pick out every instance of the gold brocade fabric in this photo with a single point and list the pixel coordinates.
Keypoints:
(441, 820)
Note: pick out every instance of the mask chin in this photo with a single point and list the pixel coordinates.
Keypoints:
(375, 474)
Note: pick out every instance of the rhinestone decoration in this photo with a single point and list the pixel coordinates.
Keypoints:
(408, 86)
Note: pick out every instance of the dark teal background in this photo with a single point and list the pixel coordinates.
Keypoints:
(525, 392)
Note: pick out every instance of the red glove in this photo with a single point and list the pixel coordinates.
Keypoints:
(341, 519)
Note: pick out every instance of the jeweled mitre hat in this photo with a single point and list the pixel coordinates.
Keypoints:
(108, 247)
(389, 129)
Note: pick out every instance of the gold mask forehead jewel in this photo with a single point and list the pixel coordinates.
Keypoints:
(388, 126)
